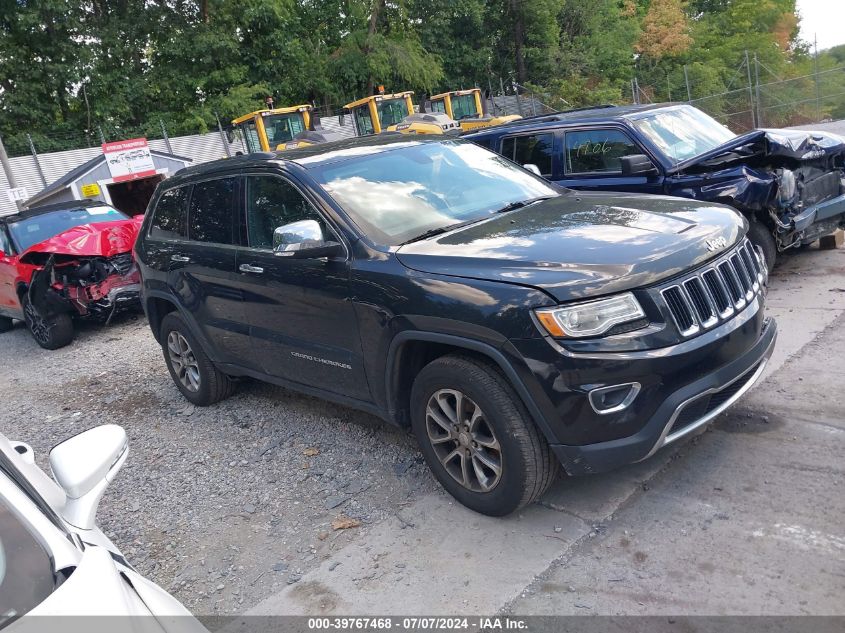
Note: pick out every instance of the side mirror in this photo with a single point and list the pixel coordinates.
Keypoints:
(304, 240)
(637, 165)
(84, 466)
(532, 168)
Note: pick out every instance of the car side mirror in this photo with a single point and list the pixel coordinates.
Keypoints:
(532, 168)
(304, 240)
(84, 466)
(637, 165)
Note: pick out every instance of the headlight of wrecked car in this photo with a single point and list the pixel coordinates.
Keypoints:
(590, 318)
(787, 187)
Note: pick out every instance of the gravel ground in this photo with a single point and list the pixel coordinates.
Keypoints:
(225, 505)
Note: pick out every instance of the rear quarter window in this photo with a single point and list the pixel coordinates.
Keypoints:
(170, 215)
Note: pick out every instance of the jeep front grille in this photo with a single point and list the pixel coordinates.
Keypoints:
(713, 295)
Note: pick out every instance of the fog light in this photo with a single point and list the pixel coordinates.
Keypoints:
(613, 399)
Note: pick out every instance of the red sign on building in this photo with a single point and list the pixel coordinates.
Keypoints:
(128, 160)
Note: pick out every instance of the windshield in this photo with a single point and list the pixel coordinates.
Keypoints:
(250, 133)
(30, 231)
(391, 111)
(397, 192)
(281, 128)
(463, 107)
(26, 570)
(683, 131)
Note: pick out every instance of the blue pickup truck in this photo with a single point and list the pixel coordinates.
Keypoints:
(790, 184)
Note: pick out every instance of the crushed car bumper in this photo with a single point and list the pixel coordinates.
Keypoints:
(821, 212)
(681, 413)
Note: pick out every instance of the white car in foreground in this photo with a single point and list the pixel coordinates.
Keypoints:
(54, 560)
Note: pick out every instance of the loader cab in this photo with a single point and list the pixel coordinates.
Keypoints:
(269, 130)
(374, 114)
(459, 104)
(467, 108)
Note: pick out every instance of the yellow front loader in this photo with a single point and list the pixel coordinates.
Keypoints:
(277, 129)
(395, 113)
(467, 108)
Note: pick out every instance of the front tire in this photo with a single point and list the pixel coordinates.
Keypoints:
(191, 369)
(50, 332)
(762, 237)
(477, 438)
(5, 324)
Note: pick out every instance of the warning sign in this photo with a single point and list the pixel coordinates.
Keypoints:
(128, 160)
(91, 190)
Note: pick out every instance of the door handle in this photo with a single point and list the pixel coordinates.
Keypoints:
(179, 258)
(249, 268)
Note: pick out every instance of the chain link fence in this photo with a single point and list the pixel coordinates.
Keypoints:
(756, 103)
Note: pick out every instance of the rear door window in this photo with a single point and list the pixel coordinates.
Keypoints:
(597, 151)
(534, 149)
(211, 211)
(170, 215)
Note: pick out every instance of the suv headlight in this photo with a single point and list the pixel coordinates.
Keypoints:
(590, 318)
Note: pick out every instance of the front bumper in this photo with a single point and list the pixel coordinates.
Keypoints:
(821, 212)
(682, 412)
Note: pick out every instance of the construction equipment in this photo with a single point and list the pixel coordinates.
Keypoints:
(395, 113)
(275, 129)
(467, 108)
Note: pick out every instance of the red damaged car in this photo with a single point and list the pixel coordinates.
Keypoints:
(65, 261)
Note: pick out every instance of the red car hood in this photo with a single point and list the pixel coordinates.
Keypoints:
(98, 239)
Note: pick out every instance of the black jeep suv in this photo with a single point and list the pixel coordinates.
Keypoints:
(514, 325)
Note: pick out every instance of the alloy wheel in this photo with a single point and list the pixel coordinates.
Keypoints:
(463, 440)
(37, 324)
(184, 362)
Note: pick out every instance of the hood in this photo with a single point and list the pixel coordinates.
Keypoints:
(98, 239)
(582, 245)
(793, 145)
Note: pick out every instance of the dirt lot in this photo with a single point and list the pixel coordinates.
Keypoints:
(230, 507)
(224, 505)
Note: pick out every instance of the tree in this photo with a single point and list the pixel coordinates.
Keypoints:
(665, 31)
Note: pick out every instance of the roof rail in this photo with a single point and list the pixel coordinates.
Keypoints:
(555, 116)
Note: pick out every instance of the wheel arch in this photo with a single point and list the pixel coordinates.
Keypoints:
(410, 351)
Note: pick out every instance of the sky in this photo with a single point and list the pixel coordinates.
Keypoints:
(824, 19)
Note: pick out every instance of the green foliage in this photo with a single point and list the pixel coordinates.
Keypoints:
(68, 68)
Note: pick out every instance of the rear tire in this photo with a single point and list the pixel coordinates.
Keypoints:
(5, 324)
(50, 332)
(761, 236)
(191, 369)
(477, 437)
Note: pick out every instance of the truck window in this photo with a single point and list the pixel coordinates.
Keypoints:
(211, 211)
(535, 149)
(597, 151)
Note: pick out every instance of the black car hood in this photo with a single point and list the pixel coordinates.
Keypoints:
(582, 245)
(792, 145)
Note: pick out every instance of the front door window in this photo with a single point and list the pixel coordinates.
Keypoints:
(597, 151)
(273, 202)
